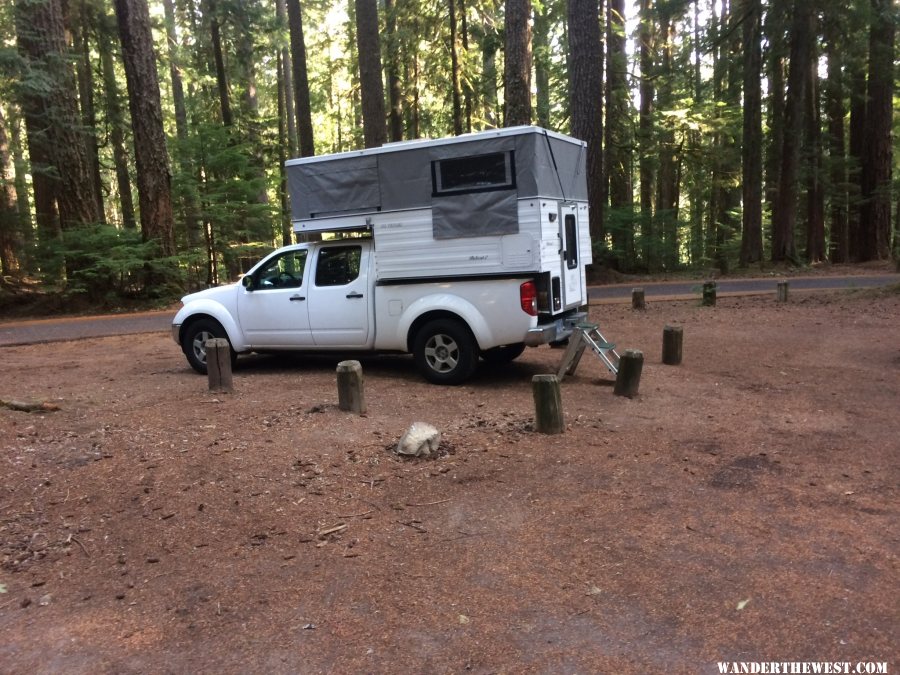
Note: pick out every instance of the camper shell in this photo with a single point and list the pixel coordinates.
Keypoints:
(505, 203)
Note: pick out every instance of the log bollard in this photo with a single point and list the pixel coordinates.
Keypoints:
(709, 294)
(351, 396)
(673, 336)
(218, 365)
(548, 413)
(628, 378)
(782, 291)
(637, 298)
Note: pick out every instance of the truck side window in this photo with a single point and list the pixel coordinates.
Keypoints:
(285, 271)
(478, 173)
(338, 265)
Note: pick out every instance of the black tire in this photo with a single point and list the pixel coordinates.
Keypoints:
(445, 352)
(193, 342)
(499, 356)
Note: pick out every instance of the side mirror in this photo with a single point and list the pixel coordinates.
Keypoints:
(247, 282)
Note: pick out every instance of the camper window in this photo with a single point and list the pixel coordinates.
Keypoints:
(571, 242)
(478, 173)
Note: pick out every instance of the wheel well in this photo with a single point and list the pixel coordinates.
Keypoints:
(194, 318)
(433, 316)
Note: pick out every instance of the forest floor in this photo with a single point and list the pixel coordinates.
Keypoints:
(743, 507)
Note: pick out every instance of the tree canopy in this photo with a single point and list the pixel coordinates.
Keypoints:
(142, 142)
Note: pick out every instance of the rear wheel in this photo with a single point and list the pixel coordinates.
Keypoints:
(193, 342)
(503, 354)
(445, 352)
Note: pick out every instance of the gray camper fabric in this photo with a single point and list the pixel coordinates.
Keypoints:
(474, 188)
(405, 179)
(468, 198)
(570, 167)
(476, 214)
(336, 186)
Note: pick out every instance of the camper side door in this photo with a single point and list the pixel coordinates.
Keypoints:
(570, 259)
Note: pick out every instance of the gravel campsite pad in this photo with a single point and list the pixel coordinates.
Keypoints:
(743, 507)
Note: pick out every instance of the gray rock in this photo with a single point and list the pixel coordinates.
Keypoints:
(420, 440)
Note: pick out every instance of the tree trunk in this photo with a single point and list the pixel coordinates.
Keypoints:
(490, 44)
(85, 74)
(212, 12)
(751, 147)
(151, 157)
(468, 94)
(857, 134)
(666, 195)
(301, 80)
(10, 237)
(815, 193)
(875, 216)
(46, 215)
(245, 59)
(287, 82)
(517, 70)
(54, 110)
(23, 205)
(698, 186)
(775, 21)
(414, 117)
(371, 87)
(834, 109)
(645, 135)
(618, 155)
(393, 72)
(541, 50)
(117, 132)
(586, 87)
(191, 207)
(456, 94)
(784, 215)
(283, 145)
(726, 195)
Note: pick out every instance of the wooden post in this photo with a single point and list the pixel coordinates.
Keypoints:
(637, 298)
(782, 291)
(673, 336)
(709, 294)
(629, 377)
(548, 413)
(218, 365)
(351, 396)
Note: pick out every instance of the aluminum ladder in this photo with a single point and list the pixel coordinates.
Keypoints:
(588, 335)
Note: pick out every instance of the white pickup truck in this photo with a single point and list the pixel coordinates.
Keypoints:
(451, 250)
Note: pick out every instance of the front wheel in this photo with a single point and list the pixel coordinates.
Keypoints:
(445, 352)
(193, 342)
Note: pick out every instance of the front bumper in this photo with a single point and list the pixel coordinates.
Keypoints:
(176, 333)
(555, 331)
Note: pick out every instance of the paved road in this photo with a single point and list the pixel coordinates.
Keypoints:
(76, 328)
(691, 289)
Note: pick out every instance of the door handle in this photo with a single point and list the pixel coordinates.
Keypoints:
(297, 297)
(354, 295)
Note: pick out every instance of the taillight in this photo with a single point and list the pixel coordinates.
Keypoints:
(528, 298)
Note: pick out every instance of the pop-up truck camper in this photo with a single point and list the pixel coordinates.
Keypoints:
(450, 249)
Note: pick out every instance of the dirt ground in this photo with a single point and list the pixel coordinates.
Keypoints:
(743, 507)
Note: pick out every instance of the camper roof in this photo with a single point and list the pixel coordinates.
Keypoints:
(434, 142)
